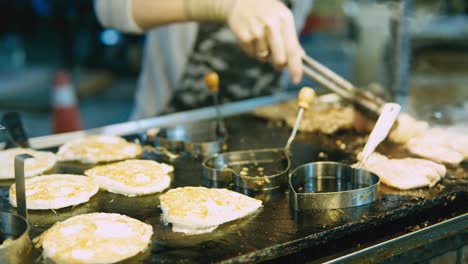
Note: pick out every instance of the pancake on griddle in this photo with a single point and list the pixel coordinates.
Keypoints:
(440, 145)
(132, 177)
(327, 114)
(407, 128)
(94, 149)
(405, 174)
(56, 191)
(198, 210)
(95, 238)
(42, 161)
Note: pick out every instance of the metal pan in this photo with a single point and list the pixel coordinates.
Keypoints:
(331, 185)
(194, 140)
(259, 170)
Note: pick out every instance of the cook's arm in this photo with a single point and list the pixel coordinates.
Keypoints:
(117, 14)
(263, 27)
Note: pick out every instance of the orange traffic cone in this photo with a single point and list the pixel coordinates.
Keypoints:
(66, 115)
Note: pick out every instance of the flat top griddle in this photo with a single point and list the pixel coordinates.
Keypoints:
(276, 230)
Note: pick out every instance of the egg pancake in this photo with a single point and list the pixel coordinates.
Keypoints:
(95, 238)
(327, 114)
(407, 173)
(42, 161)
(132, 177)
(56, 191)
(407, 128)
(440, 145)
(94, 149)
(198, 210)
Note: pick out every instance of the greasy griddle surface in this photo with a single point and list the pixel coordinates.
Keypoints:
(276, 229)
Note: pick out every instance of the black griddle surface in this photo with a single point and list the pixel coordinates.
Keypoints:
(276, 230)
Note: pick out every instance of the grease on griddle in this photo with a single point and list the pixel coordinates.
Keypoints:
(257, 169)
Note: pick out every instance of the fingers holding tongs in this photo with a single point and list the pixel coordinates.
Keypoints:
(364, 101)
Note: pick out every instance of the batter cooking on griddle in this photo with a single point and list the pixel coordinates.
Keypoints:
(235, 39)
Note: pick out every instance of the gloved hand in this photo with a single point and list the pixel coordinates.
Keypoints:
(264, 28)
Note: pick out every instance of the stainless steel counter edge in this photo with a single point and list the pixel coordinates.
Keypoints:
(405, 243)
(132, 127)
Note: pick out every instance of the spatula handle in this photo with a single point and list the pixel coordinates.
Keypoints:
(20, 165)
(381, 129)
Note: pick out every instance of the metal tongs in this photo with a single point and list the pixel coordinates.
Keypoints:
(364, 101)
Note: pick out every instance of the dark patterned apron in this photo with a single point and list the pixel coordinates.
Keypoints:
(241, 77)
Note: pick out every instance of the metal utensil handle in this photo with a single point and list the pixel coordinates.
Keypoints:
(212, 83)
(304, 99)
(381, 129)
(365, 101)
(20, 162)
(296, 126)
(323, 70)
(220, 128)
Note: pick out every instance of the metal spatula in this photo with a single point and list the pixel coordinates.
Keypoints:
(20, 165)
(380, 131)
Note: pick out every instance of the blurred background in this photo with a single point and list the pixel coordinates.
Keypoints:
(396, 48)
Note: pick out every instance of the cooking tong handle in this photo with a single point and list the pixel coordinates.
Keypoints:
(365, 101)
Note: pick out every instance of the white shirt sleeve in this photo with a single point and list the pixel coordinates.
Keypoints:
(166, 53)
(116, 14)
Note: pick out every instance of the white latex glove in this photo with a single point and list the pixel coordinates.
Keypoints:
(264, 28)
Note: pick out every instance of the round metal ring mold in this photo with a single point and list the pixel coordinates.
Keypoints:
(14, 231)
(196, 140)
(331, 185)
(271, 168)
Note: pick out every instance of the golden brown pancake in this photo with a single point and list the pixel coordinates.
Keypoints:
(326, 114)
(197, 210)
(42, 161)
(56, 191)
(96, 238)
(95, 149)
(132, 177)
